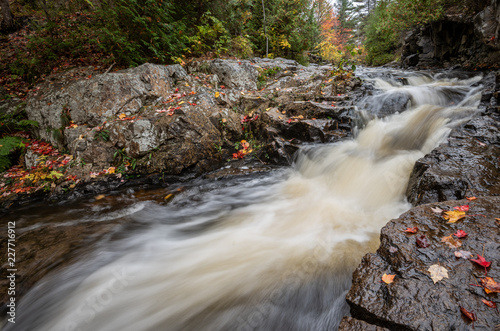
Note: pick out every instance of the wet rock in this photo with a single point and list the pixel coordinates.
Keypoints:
(96, 100)
(467, 165)
(413, 301)
(456, 39)
(235, 74)
(352, 324)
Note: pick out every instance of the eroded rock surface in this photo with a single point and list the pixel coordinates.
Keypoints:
(413, 301)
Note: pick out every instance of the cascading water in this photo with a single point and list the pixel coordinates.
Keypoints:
(269, 252)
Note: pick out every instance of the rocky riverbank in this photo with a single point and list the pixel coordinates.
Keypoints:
(459, 39)
(463, 173)
(162, 121)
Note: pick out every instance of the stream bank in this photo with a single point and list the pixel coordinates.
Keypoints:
(471, 152)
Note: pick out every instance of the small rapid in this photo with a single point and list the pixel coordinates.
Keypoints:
(268, 252)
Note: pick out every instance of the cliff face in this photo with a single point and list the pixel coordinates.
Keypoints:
(470, 41)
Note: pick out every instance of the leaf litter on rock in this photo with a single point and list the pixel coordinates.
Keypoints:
(437, 272)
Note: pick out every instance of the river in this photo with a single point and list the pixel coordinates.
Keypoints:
(271, 251)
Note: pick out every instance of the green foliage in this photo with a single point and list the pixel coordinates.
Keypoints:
(138, 31)
(61, 39)
(15, 121)
(102, 134)
(8, 145)
(390, 18)
(264, 76)
(241, 47)
(211, 35)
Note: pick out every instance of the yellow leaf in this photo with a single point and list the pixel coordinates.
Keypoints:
(168, 196)
(388, 278)
(100, 197)
(187, 84)
(111, 170)
(453, 215)
(122, 116)
(217, 94)
(180, 103)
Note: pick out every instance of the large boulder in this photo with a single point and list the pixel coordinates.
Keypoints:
(235, 74)
(414, 301)
(466, 165)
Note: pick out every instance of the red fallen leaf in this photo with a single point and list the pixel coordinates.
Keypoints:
(470, 315)
(422, 241)
(411, 230)
(490, 304)
(239, 62)
(482, 262)
(462, 208)
(460, 234)
(222, 87)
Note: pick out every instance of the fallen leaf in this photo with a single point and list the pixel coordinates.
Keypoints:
(411, 230)
(437, 210)
(462, 208)
(470, 315)
(463, 254)
(122, 116)
(460, 234)
(482, 261)
(437, 272)
(471, 198)
(168, 196)
(217, 94)
(388, 278)
(490, 285)
(100, 197)
(451, 242)
(490, 304)
(422, 241)
(453, 215)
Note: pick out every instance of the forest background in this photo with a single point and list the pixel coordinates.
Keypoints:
(40, 37)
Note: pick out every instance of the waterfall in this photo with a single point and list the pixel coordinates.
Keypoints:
(274, 252)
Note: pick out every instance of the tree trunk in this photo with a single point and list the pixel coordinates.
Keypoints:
(265, 30)
(7, 19)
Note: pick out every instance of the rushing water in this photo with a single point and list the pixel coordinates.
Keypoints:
(263, 252)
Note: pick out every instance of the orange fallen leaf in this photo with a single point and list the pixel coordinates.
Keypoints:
(388, 278)
(453, 215)
(100, 197)
(411, 230)
(490, 285)
(490, 304)
(471, 198)
(122, 116)
(470, 315)
(451, 242)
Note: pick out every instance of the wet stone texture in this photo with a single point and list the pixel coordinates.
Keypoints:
(467, 165)
(413, 301)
